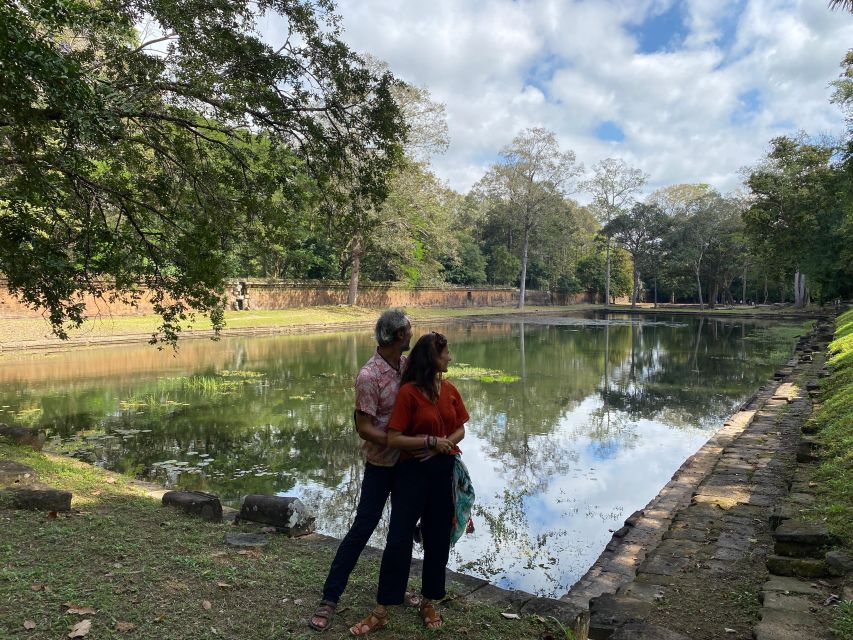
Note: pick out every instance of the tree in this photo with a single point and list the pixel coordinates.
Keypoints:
(640, 232)
(126, 162)
(468, 266)
(790, 198)
(612, 187)
(356, 223)
(531, 179)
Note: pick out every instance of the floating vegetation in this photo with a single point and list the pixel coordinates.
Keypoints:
(467, 372)
(29, 416)
(245, 375)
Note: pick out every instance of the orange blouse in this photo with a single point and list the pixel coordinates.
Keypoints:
(415, 415)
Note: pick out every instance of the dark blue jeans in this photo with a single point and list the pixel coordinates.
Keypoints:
(375, 489)
(421, 490)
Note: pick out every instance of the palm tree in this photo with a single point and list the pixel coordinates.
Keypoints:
(846, 5)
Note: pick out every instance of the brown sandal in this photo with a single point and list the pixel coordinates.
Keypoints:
(324, 612)
(429, 615)
(373, 622)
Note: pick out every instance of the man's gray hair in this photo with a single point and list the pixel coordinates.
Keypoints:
(389, 323)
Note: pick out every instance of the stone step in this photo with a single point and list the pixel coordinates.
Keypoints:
(609, 612)
(804, 533)
(799, 567)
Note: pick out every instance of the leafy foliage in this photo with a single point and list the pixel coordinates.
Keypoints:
(129, 163)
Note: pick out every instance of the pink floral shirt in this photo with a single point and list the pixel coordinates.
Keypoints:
(375, 393)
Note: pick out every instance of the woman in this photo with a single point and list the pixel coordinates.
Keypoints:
(429, 419)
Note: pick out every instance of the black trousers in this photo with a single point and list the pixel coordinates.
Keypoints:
(375, 488)
(421, 490)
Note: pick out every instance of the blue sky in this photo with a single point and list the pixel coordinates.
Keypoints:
(685, 91)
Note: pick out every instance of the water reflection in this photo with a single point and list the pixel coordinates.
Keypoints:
(590, 418)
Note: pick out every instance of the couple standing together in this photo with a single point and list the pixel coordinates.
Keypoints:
(411, 422)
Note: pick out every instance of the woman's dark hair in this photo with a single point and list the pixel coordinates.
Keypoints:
(421, 368)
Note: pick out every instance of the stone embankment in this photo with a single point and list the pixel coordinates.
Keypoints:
(723, 550)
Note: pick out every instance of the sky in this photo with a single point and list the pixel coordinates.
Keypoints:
(685, 91)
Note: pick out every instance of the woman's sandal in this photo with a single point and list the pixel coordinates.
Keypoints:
(324, 612)
(373, 622)
(429, 615)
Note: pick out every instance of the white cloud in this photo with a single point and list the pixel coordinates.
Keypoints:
(679, 110)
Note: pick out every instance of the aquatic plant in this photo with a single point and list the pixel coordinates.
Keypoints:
(463, 371)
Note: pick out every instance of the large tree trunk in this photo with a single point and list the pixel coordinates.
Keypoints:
(607, 275)
(656, 292)
(699, 289)
(523, 284)
(766, 294)
(715, 292)
(355, 271)
(636, 293)
(743, 299)
(799, 289)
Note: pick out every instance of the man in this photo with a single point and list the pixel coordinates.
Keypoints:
(375, 392)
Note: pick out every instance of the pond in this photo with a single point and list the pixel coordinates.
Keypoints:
(576, 421)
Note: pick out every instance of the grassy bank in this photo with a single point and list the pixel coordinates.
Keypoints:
(33, 333)
(835, 418)
(170, 576)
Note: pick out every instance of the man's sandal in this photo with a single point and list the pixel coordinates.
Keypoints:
(324, 611)
(429, 615)
(373, 622)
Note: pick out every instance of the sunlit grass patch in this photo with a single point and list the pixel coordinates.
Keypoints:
(467, 372)
(835, 417)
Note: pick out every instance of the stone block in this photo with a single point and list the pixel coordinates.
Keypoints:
(784, 602)
(567, 614)
(787, 625)
(14, 473)
(609, 612)
(800, 532)
(839, 563)
(196, 503)
(645, 632)
(40, 499)
(288, 515)
(801, 567)
(807, 451)
(236, 539)
(795, 550)
(790, 585)
(23, 436)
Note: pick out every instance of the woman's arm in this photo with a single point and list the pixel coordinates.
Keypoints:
(457, 436)
(397, 440)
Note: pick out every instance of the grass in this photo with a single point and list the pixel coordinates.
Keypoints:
(135, 562)
(835, 419)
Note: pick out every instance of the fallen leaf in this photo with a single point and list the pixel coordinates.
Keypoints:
(124, 627)
(206, 604)
(80, 629)
(218, 554)
(97, 492)
(540, 619)
(268, 530)
(110, 480)
(727, 630)
(39, 586)
(29, 625)
(223, 585)
(511, 616)
(52, 515)
(78, 610)
(298, 601)
(249, 552)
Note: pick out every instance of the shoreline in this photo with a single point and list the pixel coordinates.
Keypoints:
(289, 322)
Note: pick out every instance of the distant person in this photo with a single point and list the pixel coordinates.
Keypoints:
(429, 418)
(375, 392)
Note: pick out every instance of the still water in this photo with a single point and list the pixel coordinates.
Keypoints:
(576, 421)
